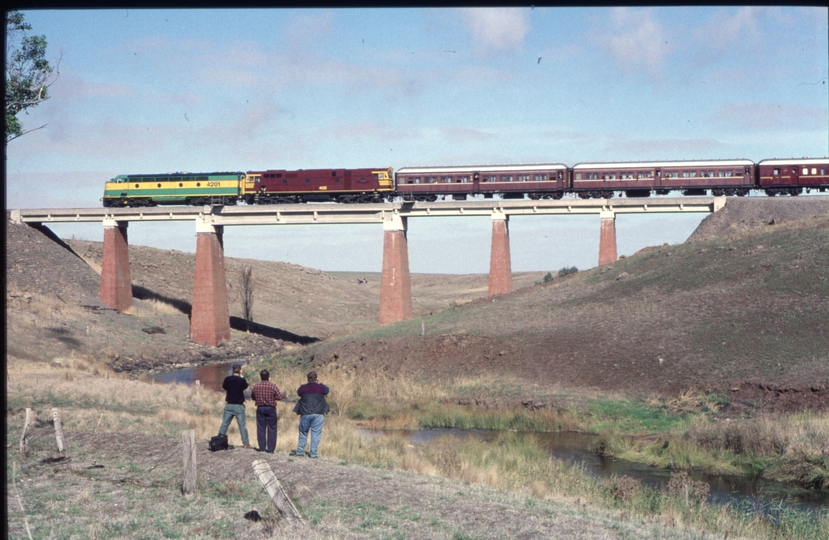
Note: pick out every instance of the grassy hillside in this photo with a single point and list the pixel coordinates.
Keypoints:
(708, 315)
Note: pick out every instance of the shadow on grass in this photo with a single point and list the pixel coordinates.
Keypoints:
(236, 323)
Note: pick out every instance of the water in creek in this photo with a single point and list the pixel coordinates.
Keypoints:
(753, 494)
(210, 376)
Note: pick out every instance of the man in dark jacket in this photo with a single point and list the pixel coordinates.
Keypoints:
(311, 406)
(235, 386)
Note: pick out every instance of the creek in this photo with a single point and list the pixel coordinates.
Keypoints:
(754, 495)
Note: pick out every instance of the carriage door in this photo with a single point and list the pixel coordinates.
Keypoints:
(476, 182)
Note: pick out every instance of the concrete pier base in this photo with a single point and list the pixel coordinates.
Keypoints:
(607, 238)
(116, 287)
(395, 283)
(500, 269)
(210, 316)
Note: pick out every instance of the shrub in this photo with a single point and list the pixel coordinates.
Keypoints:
(567, 271)
(548, 277)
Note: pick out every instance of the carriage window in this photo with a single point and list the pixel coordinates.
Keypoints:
(578, 176)
(523, 177)
(539, 177)
(805, 170)
(822, 171)
(814, 170)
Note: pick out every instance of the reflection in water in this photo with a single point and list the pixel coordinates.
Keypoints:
(752, 494)
(210, 376)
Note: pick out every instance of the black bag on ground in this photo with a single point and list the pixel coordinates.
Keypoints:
(219, 442)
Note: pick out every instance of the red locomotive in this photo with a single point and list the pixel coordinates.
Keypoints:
(326, 185)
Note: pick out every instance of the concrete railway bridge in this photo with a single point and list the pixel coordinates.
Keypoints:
(210, 316)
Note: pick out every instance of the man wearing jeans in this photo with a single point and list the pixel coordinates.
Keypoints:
(266, 394)
(235, 386)
(311, 406)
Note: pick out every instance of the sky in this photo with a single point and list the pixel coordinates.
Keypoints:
(152, 91)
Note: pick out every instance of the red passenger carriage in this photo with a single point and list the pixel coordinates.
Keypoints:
(542, 181)
(639, 179)
(781, 176)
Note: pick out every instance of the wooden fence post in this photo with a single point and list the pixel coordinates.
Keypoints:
(59, 431)
(24, 437)
(188, 486)
(278, 496)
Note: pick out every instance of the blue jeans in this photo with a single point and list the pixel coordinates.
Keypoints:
(238, 411)
(312, 423)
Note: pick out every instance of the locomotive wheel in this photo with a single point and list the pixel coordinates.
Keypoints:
(584, 195)
(607, 194)
(717, 192)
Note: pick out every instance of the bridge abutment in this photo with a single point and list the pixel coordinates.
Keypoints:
(500, 268)
(607, 238)
(395, 283)
(116, 286)
(209, 315)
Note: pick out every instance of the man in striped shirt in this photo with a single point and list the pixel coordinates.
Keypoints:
(266, 394)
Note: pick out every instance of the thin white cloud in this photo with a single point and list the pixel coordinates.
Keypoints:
(496, 28)
(659, 148)
(636, 40)
(460, 135)
(769, 116)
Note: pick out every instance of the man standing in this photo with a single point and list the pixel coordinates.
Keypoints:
(235, 386)
(312, 406)
(266, 394)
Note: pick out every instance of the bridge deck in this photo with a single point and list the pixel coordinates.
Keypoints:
(286, 214)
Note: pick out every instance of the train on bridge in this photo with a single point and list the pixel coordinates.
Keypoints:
(541, 181)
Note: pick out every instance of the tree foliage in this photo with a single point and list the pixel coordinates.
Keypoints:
(28, 73)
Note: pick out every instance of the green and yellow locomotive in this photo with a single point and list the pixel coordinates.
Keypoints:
(174, 188)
